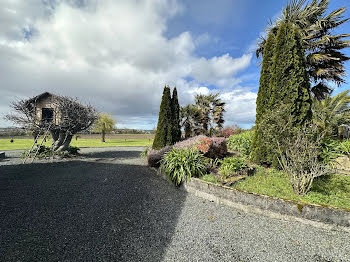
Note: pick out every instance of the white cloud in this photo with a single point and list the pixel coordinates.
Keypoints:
(240, 106)
(113, 54)
(219, 70)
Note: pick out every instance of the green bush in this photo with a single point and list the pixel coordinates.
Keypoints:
(39, 152)
(73, 150)
(47, 152)
(241, 142)
(329, 151)
(182, 164)
(344, 148)
(231, 165)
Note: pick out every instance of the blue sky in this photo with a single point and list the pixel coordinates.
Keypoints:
(234, 26)
(118, 54)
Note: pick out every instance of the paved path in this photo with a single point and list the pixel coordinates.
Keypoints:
(108, 206)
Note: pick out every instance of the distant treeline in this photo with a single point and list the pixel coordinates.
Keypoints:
(11, 131)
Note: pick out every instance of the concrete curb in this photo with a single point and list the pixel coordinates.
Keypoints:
(312, 214)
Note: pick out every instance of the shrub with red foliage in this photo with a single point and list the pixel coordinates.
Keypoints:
(188, 143)
(228, 131)
(212, 147)
(204, 144)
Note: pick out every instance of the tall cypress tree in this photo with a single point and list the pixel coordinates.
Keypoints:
(163, 135)
(259, 152)
(264, 93)
(288, 85)
(176, 135)
(289, 81)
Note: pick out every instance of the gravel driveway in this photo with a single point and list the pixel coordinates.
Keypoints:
(108, 206)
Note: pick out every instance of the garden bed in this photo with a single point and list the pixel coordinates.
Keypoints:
(331, 190)
(274, 207)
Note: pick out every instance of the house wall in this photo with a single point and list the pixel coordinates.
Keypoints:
(47, 102)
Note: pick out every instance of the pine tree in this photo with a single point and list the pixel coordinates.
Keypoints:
(176, 135)
(259, 152)
(283, 82)
(163, 135)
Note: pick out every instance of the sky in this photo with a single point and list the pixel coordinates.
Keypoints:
(118, 55)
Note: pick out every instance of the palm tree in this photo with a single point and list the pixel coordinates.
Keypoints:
(203, 102)
(330, 113)
(325, 61)
(211, 108)
(218, 111)
(190, 116)
(104, 124)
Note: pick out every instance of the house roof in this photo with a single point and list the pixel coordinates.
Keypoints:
(31, 103)
(39, 97)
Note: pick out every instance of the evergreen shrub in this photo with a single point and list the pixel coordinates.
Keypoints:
(284, 82)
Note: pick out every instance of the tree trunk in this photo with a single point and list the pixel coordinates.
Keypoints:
(59, 141)
(65, 143)
(103, 136)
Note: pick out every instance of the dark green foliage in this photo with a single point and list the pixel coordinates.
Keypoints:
(163, 135)
(190, 120)
(289, 79)
(274, 129)
(73, 150)
(176, 130)
(264, 93)
(259, 153)
(286, 103)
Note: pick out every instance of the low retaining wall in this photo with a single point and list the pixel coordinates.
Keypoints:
(316, 215)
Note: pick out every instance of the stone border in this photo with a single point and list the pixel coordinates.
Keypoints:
(316, 215)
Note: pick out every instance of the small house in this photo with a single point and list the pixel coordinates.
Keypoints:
(45, 108)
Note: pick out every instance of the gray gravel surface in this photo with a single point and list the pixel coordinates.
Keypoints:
(108, 206)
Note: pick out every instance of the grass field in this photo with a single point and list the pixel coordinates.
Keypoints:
(26, 143)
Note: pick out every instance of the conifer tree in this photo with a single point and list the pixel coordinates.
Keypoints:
(289, 80)
(289, 86)
(176, 135)
(163, 135)
(264, 93)
(259, 152)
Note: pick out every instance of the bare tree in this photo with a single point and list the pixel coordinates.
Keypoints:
(70, 118)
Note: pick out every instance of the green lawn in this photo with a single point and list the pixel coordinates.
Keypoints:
(330, 190)
(5, 144)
